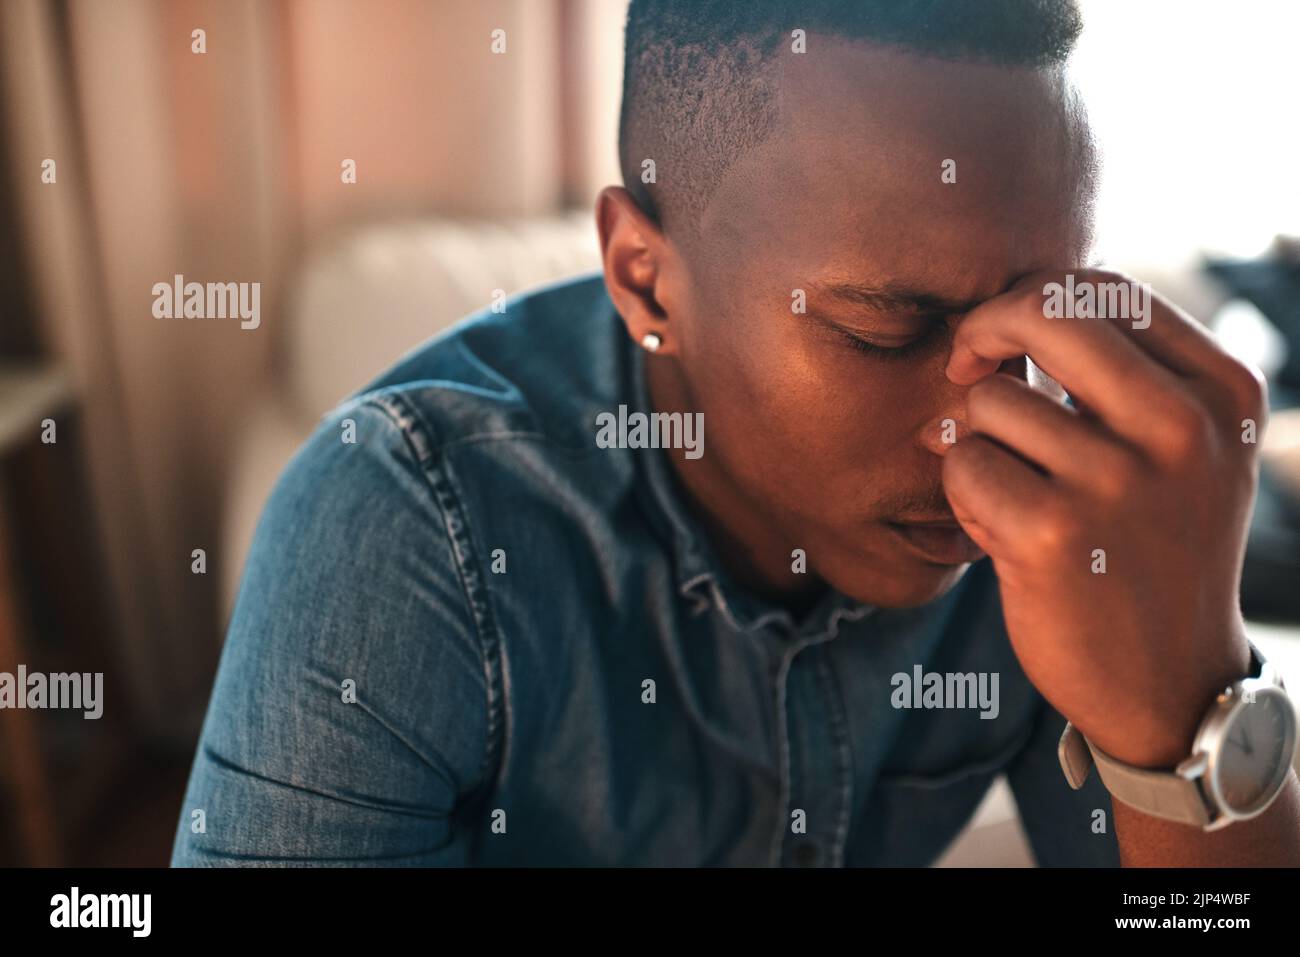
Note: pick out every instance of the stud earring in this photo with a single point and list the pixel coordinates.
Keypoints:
(651, 342)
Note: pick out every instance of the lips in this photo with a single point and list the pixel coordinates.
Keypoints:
(940, 542)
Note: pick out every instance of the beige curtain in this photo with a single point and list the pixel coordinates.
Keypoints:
(224, 166)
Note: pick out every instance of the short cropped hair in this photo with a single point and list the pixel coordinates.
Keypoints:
(699, 88)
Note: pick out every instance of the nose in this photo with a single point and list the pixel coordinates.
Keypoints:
(947, 426)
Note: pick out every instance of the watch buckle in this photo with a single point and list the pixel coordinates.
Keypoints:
(1075, 756)
(1193, 766)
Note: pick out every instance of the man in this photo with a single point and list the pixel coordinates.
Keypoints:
(683, 565)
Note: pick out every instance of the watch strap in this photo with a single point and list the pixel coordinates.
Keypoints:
(1158, 792)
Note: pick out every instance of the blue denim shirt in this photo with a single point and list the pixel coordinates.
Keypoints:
(472, 636)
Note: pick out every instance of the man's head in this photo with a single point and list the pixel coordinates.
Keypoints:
(824, 207)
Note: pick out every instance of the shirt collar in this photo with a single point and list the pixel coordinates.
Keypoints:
(700, 575)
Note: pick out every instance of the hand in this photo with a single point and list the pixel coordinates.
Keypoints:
(1149, 474)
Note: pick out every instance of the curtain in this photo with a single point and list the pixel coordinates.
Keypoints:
(225, 165)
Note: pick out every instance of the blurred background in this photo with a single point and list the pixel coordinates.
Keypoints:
(382, 168)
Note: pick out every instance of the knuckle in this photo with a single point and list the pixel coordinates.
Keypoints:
(1058, 530)
(1116, 477)
(1187, 431)
(1027, 296)
(1248, 388)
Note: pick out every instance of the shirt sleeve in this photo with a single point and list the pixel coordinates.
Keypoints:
(348, 724)
(1065, 828)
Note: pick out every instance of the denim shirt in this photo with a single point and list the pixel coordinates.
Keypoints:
(473, 636)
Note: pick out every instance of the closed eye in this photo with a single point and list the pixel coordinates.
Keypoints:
(904, 351)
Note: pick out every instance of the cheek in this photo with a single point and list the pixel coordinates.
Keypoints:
(805, 408)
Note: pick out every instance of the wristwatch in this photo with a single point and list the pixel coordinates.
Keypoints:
(1240, 758)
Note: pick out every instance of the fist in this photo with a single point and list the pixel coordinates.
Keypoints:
(1116, 524)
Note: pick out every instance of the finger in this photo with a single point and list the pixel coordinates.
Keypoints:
(993, 492)
(1176, 340)
(1169, 336)
(1038, 428)
(1094, 362)
(1156, 326)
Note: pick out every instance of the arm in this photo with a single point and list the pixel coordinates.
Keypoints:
(350, 578)
(1117, 529)
(1266, 841)
(1269, 840)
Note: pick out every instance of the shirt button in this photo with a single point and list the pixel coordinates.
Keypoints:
(805, 854)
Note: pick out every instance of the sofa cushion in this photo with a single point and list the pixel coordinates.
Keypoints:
(362, 301)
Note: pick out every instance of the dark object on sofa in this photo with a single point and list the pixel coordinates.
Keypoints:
(1270, 579)
(1271, 285)
(1270, 586)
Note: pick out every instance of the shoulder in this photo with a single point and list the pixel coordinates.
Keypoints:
(353, 586)
(502, 408)
(501, 405)
(543, 362)
(380, 530)
(373, 546)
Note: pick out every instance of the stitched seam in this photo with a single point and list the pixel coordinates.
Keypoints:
(783, 757)
(417, 431)
(839, 734)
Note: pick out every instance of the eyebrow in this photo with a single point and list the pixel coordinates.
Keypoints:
(891, 298)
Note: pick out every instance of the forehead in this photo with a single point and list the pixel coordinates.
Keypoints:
(851, 182)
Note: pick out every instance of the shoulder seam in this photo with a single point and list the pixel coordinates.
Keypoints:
(415, 429)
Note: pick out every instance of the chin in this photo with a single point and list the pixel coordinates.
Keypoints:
(906, 583)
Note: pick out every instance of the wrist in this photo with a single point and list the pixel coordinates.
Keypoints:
(1163, 737)
(1160, 746)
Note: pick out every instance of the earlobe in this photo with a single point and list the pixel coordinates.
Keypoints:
(632, 251)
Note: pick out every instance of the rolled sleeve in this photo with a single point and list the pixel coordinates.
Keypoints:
(1063, 826)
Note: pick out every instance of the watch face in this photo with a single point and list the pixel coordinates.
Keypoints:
(1255, 752)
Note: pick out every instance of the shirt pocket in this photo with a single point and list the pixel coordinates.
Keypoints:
(911, 817)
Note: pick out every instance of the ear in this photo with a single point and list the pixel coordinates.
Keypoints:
(634, 253)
